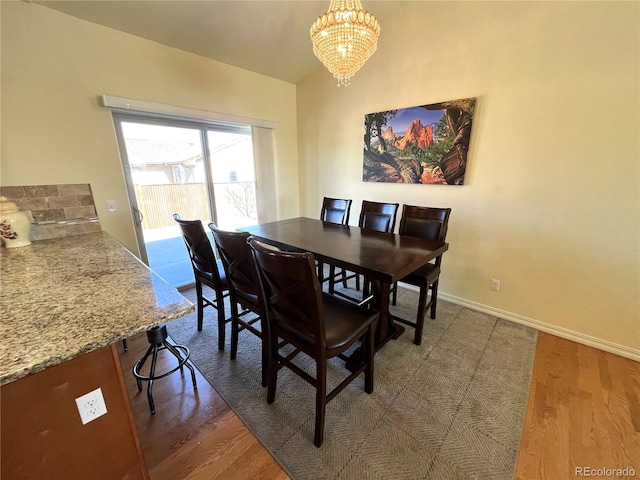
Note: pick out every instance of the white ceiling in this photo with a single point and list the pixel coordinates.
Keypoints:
(268, 37)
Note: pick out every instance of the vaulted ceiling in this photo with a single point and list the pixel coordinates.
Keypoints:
(268, 37)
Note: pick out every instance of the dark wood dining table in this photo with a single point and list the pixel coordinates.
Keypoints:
(383, 258)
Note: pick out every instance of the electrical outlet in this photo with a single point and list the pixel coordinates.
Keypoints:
(495, 285)
(111, 205)
(91, 406)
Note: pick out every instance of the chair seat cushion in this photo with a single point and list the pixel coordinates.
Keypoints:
(344, 322)
(248, 300)
(207, 277)
(426, 274)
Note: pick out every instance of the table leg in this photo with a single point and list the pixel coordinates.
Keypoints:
(386, 330)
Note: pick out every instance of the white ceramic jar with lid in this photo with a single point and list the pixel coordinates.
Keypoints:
(15, 225)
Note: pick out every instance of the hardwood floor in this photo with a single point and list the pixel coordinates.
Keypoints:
(583, 411)
(193, 434)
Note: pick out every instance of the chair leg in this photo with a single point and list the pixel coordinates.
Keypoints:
(266, 360)
(273, 368)
(180, 358)
(369, 352)
(234, 329)
(321, 401)
(394, 293)
(434, 299)
(422, 306)
(332, 280)
(152, 374)
(221, 319)
(367, 290)
(358, 281)
(139, 364)
(200, 304)
(344, 278)
(153, 352)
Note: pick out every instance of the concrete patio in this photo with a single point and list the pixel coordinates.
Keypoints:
(168, 257)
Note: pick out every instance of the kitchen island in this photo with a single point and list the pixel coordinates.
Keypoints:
(65, 304)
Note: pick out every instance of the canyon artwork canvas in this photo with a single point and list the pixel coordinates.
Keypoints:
(426, 144)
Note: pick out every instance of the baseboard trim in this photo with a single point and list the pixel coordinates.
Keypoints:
(574, 336)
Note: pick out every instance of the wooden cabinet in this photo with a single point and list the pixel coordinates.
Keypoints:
(42, 435)
(66, 304)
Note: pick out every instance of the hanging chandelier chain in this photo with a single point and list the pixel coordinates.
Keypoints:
(345, 5)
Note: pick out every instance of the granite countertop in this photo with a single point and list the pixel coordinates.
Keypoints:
(61, 298)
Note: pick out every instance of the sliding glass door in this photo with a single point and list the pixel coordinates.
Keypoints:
(232, 179)
(202, 172)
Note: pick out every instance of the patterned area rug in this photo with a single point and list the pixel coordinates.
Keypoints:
(451, 408)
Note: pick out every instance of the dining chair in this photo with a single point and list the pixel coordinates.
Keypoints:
(206, 271)
(312, 322)
(334, 210)
(375, 216)
(244, 289)
(429, 223)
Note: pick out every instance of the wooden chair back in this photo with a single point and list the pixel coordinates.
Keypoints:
(292, 294)
(198, 245)
(429, 223)
(237, 259)
(335, 210)
(377, 216)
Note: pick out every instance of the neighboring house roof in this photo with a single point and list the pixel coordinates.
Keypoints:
(143, 152)
(157, 152)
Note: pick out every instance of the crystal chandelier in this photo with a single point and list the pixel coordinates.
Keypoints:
(344, 38)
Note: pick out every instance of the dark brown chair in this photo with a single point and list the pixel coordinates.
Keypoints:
(244, 289)
(431, 224)
(377, 216)
(206, 270)
(334, 210)
(311, 321)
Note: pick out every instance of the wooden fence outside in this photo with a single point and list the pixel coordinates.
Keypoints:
(158, 203)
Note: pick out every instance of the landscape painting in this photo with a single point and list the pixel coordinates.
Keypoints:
(427, 144)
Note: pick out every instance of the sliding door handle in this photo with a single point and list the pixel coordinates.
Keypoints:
(137, 216)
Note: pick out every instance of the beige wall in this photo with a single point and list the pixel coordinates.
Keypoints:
(55, 66)
(551, 204)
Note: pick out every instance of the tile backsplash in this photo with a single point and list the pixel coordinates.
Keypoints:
(56, 210)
